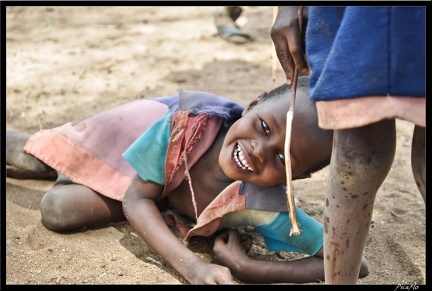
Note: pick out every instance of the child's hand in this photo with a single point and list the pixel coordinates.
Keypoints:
(286, 36)
(212, 274)
(230, 248)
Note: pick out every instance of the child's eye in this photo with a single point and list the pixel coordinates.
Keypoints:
(265, 127)
(282, 157)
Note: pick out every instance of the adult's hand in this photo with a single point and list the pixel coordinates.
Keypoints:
(287, 38)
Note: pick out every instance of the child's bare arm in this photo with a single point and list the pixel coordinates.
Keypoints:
(140, 209)
(229, 251)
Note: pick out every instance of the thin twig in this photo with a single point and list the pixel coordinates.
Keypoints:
(295, 230)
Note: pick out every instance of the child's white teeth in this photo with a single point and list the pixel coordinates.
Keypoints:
(240, 159)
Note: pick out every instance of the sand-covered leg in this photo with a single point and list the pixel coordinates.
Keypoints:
(21, 165)
(361, 160)
(69, 207)
(418, 159)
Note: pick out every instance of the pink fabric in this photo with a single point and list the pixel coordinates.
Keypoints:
(89, 152)
(350, 113)
(210, 219)
(187, 131)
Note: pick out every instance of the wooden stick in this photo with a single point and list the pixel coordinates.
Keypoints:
(295, 230)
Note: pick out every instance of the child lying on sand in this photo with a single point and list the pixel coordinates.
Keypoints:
(205, 158)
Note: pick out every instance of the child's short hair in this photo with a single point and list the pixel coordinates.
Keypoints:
(284, 89)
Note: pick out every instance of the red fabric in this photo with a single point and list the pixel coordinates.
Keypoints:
(210, 219)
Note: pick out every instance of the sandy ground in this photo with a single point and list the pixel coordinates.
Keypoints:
(68, 63)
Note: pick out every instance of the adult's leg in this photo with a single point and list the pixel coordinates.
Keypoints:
(22, 165)
(225, 20)
(361, 159)
(418, 159)
(68, 206)
(233, 12)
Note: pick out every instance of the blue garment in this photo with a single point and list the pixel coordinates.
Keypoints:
(366, 51)
(276, 234)
(275, 229)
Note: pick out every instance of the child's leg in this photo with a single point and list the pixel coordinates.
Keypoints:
(418, 156)
(68, 206)
(25, 166)
(361, 160)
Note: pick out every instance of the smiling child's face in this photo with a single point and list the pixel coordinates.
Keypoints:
(253, 149)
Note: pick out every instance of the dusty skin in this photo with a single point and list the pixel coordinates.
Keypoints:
(68, 63)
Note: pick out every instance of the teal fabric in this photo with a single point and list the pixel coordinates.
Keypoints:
(275, 229)
(276, 234)
(148, 153)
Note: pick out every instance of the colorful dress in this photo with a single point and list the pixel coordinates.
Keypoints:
(184, 135)
(264, 208)
(161, 139)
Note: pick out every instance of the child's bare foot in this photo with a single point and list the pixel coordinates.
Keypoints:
(21, 165)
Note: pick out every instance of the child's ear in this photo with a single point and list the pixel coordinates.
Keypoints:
(250, 106)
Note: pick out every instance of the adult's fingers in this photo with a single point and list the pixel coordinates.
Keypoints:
(286, 37)
(283, 54)
(297, 53)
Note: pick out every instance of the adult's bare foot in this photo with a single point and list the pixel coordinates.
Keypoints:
(225, 21)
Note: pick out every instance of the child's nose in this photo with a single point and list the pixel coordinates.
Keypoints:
(259, 150)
